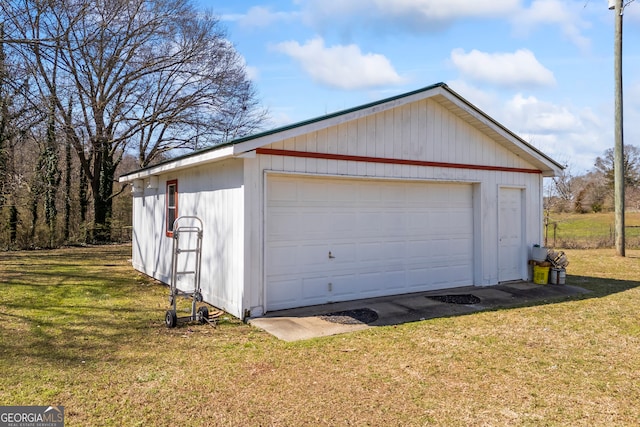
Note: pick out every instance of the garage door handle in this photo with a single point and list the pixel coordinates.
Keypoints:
(331, 256)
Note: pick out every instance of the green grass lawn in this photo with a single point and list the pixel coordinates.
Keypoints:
(80, 328)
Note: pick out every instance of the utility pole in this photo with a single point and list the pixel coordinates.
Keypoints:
(618, 153)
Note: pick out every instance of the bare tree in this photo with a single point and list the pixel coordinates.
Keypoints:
(4, 121)
(145, 75)
(18, 114)
(631, 163)
(590, 193)
(560, 191)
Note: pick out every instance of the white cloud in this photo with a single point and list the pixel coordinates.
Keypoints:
(561, 13)
(280, 117)
(632, 13)
(260, 17)
(253, 73)
(412, 15)
(447, 10)
(534, 116)
(341, 66)
(560, 131)
(423, 16)
(231, 17)
(566, 134)
(520, 68)
(484, 100)
(420, 16)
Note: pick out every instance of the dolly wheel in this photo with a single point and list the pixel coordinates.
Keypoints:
(203, 314)
(171, 319)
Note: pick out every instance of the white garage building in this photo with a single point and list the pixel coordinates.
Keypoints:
(417, 192)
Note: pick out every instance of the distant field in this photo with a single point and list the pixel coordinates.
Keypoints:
(588, 231)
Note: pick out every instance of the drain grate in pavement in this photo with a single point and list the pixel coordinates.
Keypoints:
(465, 299)
(351, 317)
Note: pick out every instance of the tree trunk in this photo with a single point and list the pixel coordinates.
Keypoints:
(51, 175)
(102, 187)
(35, 196)
(67, 190)
(83, 188)
(13, 223)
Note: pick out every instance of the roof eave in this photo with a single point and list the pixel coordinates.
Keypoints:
(207, 156)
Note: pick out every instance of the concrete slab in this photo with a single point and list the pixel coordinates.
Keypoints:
(303, 328)
(311, 322)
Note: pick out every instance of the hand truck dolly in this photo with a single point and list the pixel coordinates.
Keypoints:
(189, 229)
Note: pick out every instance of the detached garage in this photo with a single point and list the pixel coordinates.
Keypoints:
(417, 192)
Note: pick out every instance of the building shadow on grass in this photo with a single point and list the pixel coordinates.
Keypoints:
(601, 287)
(71, 334)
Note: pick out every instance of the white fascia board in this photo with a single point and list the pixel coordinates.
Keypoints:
(181, 163)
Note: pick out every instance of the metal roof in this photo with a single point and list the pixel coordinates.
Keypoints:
(439, 92)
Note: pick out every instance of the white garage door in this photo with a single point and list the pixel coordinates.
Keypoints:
(333, 240)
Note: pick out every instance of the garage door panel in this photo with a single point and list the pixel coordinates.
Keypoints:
(417, 219)
(313, 222)
(370, 252)
(294, 259)
(283, 191)
(284, 293)
(280, 258)
(279, 224)
(341, 193)
(345, 287)
(313, 191)
(368, 222)
(417, 277)
(420, 249)
(457, 222)
(342, 253)
(313, 256)
(460, 248)
(342, 222)
(393, 250)
(384, 237)
(369, 193)
(372, 283)
(395, 281)
(396, 223)
(314, 288)
(439, 275)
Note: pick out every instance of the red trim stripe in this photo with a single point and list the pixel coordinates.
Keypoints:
(407, 162)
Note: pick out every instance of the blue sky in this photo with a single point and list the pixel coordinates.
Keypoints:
(542, 68)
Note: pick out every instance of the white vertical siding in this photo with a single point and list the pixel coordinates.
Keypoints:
(214, 193)
(253, 290)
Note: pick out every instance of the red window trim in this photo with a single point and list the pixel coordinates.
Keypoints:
(169, 224)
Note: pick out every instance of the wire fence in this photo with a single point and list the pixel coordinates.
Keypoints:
(596, 237)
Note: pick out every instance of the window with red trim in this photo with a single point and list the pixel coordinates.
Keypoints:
(171, 205)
